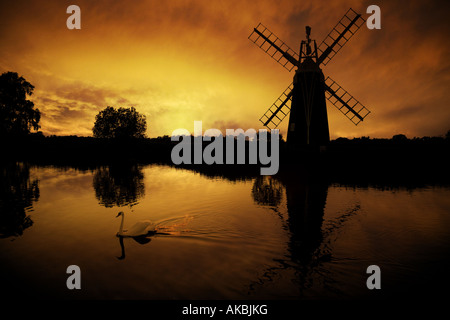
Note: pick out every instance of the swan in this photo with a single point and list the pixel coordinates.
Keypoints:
(139, 229)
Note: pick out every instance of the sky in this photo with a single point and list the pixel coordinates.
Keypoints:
(180, 61)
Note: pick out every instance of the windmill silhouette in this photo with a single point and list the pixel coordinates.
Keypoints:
(308, 122)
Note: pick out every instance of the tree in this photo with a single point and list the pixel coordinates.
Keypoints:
(17, 114)
(120, 123)
(399, 138)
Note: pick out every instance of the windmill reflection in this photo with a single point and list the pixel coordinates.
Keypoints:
(305, 202)
(119, 185)
(17, 194)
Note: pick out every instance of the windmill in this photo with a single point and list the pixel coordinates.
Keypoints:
(305, 97)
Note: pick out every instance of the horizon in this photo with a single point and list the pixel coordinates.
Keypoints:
(183, 61)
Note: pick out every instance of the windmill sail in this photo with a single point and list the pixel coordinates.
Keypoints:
(274, 47)
(338, 37)
(279, 109)
(345, 102)
(305, 100)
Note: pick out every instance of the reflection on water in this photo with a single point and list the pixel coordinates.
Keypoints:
(304, 211)
(17, 194)
(267, 191)
(140, 240)
(284, 237)
(119, 185)
(310, 242)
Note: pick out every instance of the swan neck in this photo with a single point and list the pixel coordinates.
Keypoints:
(121, 224)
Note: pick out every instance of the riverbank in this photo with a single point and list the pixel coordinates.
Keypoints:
(423, 160)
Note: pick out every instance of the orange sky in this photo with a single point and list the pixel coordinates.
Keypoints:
(178, 61)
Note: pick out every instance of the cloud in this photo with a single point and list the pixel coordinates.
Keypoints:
(403, 112)
(84, 94)
(70, 108)
(64, 115)
(183, 60)
(223, 125)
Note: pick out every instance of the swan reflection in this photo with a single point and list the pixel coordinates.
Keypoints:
(140, 240)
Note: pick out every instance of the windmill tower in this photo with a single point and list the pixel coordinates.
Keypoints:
(305, 97)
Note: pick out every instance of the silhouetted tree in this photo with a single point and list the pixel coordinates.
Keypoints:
(120, 123)
(399, 138)
(17, 114)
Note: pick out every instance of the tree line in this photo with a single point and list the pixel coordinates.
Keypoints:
(19, 116)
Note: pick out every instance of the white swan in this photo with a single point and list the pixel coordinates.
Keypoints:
(139, 229)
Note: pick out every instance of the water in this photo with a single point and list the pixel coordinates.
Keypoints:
(219, 238)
